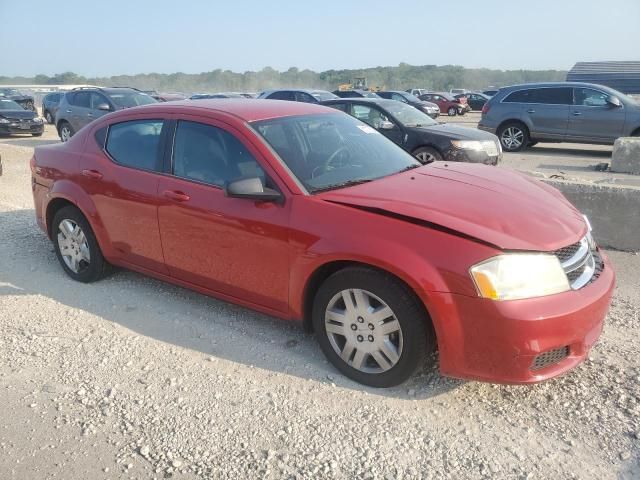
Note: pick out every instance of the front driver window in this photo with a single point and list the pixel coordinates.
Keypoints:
(211, 155)
(371, 116)
(590, 98)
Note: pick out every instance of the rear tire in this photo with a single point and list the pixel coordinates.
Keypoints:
(383, 334)
(76, 246)
(48, 117)
(66, 131)
(513, 136)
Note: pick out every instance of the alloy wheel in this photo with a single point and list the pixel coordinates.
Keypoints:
(512, 138)
(426, 157)
(364, 331)
(65, 133)
(73, 246)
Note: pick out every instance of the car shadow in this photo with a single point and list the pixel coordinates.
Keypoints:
(179, 316)
(27, 140)
(555, 151)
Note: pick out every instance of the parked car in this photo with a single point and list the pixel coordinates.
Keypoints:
(81, 106)
(205, 96)
(474, 100)
(426, 107)
(165, 97)
(522, 115)
(50, 104)
(458, 91)
(355, 94)
(297, 95)
(416, 92)
(308, 214)
(418, 134)
(15, 119)
(490, 92)
(446, 102)
(22, 99)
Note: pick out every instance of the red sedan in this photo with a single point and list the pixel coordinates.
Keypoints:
(308, 214)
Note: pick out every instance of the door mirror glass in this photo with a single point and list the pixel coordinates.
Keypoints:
(103, 106)
(386, 125)
(613, 101)
(252, 189)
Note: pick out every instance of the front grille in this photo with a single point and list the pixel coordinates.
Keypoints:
(550, 357)
(580, 262)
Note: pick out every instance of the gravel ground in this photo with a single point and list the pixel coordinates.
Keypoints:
(135, 378)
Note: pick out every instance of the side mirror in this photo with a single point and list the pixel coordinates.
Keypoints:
(614, 101)
(386, 125)
(252, 189)
(104, 106)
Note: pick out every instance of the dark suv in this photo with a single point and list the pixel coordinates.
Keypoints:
(81, 106)
(522, 115)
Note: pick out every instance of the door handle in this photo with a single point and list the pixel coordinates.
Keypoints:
(577, 114)
(90, 115)
(92, 174)
(176, 195)
(68, 111)
(531, 111)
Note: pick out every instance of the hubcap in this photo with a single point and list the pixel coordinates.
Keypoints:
(73, 245)
(425, 157)
(65, 134)
(512, 138)
(452, 112)
(363, 331)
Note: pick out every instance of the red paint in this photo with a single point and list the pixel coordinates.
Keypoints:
(439, 220)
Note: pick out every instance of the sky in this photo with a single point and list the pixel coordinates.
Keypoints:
(192, 36)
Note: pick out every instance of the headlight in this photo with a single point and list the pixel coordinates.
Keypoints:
(37, 120)
(468, 144)
(519, 275)
(4, 120)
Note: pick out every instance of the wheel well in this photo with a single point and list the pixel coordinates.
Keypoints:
(636, 132)
(54, 206)
(325, 271)
(426, 145)
(59, 124)
(519, 122)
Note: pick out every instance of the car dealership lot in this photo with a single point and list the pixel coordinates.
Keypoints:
(134, 375)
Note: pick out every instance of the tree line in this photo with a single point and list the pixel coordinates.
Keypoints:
(401, 77)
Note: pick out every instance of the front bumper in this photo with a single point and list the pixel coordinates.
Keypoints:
(481, 339)
(472, 156)
(16, 127)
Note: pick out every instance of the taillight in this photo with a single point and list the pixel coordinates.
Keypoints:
(32, 163)
(485, 108)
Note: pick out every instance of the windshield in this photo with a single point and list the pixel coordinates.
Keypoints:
(9, 92)
(321, 95)
(9, 105)
(370, 95)
(622, 96)
(131, 99)
(330, 151)
(409, 116)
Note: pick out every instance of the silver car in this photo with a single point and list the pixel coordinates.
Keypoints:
(522, 115)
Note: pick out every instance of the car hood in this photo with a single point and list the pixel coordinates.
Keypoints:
(17, 114)
(501, 207)
(457, 132)
(18, 98)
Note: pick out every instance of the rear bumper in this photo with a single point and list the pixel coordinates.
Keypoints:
(486, 128)
(480, 339)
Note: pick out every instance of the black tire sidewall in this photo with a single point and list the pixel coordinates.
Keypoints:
(97, 264)
(416, 337)
(455, 111)
(431, 150)
(68, 125)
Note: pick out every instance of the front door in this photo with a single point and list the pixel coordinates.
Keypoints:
(234, 246)
(548, 112)
(593, 118)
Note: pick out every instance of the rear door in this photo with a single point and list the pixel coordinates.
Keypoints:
(78, 111)
(548, 112)
(593, 119)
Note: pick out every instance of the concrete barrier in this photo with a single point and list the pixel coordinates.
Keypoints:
(613, 210)
(626, 155)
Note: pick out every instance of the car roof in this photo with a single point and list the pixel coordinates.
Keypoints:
(247, 109)
(553, 84)
(305, 90)
(378, 101)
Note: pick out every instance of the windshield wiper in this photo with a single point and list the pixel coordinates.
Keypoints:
(348, 183)
(410, 167)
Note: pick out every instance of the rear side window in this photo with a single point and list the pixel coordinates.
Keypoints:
(282, 95)
(136, 143)
(82, 99)
(521, 96)
(305, 97)
(552, 96)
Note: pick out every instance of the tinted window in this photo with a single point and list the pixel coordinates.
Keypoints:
(552, 96)
(369, 115)
(211, 155)
(588, 97)
(339, 106)
(281, 95)
(398, 97)
(98, 99)
(325, 151)
(521, 96)
(82, 99)
(135, 144)
(305, 97)
(127, 99)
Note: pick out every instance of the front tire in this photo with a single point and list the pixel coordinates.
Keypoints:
(76, 246)
(513, 136)
(66, 131)
(452, 111)
(427, 155)
(371, 327)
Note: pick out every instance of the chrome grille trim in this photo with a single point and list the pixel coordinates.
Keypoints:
(579, 266)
